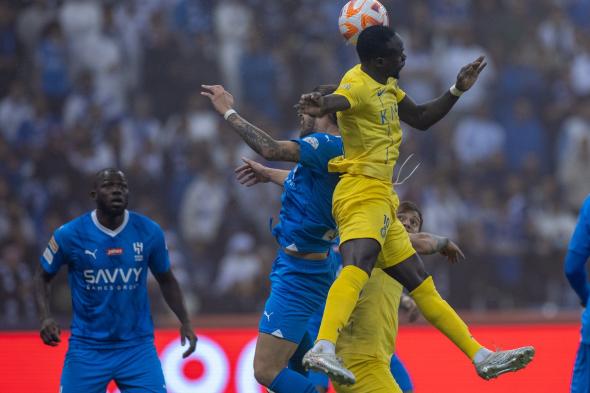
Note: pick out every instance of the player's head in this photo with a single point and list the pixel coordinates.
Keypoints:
(381, 49)
(410, 216)
(311, 124)
(110, 191)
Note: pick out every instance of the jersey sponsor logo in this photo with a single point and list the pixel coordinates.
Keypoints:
(112, 276)
(114, 251)
(267, 315)
(312, 141)
(346, 86)
(138, 250)
(91, 253)
(53, 245)
(48, 256)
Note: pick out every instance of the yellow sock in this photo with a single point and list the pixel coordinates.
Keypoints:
(442, 316)
(341, 301)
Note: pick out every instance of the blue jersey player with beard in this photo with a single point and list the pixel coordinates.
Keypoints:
(304, 267)
(108, 253)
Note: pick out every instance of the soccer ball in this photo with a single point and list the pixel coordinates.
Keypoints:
(357, 15)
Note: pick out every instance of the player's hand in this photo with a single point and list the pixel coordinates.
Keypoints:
(251, 173)
(408, 304)
(310, 104)
(469, 73)
(452, 252)
(222, 100)
(50, 332)
(187, 333)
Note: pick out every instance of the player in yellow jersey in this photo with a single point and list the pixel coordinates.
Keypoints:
(369, 106)
(367, 342)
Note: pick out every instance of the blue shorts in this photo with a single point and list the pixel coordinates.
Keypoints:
(581, 377)
(400, 374)
(299, 288)
(135, 369)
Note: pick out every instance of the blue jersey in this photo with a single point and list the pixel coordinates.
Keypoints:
(107, 273)
(306, 222)
(575, 264)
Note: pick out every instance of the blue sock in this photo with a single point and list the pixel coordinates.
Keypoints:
(295, 363)
(288, 381)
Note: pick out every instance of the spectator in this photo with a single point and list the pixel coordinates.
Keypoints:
(478, 137)
(525, 136)
(8, 46)
(239, 267)
(52, 64)
(15, 111)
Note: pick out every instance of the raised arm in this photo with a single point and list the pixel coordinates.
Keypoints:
(423, 116)
(49, 330)
(260, 141)
(173, 297)
(314, 104)
(426, 244)
(252, 173)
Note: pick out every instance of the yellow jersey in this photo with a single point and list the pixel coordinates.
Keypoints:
(372, 326)
(370, 128)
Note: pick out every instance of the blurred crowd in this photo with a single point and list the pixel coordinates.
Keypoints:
(91, 84)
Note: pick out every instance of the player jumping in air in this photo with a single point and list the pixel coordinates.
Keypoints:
(369, 105)
(368, 340)
(304, 267)
(368, 347)
(108, 253)
(575, 271)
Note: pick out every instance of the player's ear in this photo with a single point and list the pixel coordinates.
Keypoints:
(93, 194)
(379, 61)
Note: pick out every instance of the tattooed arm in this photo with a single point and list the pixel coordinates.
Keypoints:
(260, 141)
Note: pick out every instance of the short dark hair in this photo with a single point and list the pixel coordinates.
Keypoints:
(325, 90)
(406, 206)
(372, 42)
(98, 176)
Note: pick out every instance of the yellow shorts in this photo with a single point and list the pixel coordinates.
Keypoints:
(372, 375)
(364, 207)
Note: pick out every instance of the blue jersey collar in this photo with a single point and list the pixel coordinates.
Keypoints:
(110, 232)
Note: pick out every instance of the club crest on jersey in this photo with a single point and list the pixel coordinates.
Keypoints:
(312, 141)
(114, 251)
(138, 250)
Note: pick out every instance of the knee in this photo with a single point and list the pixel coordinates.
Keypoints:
(265, 372)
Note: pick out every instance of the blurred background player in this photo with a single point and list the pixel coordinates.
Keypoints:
(575, 270)
(108, 253)
(370, 105)
(304, 268)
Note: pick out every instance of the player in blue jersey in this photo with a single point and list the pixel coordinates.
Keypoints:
(575, 270)
(108, 253)
(304, 268)
(410, 216)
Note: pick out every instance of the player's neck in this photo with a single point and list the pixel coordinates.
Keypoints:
(332, 130)
(374, 74)
(109, 221)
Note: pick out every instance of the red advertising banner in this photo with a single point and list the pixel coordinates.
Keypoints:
(223, 361)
